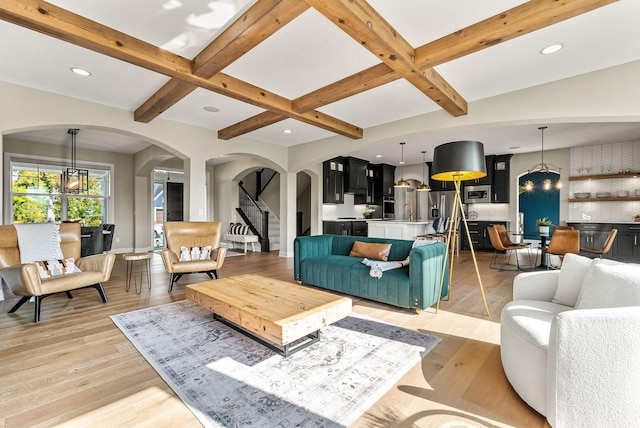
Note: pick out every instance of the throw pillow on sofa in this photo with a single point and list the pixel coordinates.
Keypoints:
(609, 285)
(370, 250)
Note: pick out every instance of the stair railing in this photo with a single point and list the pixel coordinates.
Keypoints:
(263, 178)
(255, 217)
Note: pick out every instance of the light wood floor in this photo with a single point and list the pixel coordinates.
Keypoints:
(75, 368)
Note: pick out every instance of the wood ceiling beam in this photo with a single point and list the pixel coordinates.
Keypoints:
(372, 77)
(57, 22)
(363, 23)
(515, 22)
(256, 122)
(259, 22)
(518, 21)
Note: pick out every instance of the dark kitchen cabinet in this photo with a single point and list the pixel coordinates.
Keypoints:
(626, 247)
(500, 182)
(355, 175)
(369, 196)
(346, 227)
(383, 179)
(479, 235)
(333, 181)
(497, 177)
(359, 228)
(437, 185)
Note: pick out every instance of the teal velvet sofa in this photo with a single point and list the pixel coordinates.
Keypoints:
(324, 261)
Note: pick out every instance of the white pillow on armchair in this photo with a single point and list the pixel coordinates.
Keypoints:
(610, 286)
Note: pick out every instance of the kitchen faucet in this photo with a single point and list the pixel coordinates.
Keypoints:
(410, 210)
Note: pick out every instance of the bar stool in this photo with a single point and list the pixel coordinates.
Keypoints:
(131, 259)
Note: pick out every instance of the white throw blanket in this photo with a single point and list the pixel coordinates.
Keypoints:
(377, 266)
(38, 242)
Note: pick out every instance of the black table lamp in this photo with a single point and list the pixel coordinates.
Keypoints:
(458, 161)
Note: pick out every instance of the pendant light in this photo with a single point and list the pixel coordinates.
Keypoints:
(75, 180)
(543, 168)
(402, 182)
(423, 187)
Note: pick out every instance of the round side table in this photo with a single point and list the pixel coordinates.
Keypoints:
(131, 259)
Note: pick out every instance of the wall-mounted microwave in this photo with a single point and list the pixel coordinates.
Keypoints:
(477, 194)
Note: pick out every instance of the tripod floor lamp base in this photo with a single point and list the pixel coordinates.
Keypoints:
(456, 162)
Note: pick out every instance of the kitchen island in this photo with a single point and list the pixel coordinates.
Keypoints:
(398, 229)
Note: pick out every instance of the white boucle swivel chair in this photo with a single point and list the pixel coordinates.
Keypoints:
(570, 342)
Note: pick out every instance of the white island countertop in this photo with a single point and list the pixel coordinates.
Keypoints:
(398, 229)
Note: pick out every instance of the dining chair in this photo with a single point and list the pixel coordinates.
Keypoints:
(502, 244)
(563, 241)
(605, 248)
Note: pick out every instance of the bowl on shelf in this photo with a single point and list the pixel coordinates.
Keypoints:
(603, 194)
(623, 193)
(582, 195)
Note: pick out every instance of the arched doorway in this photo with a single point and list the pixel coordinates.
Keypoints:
(538, 202)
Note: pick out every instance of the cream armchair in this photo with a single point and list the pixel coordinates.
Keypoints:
(24, 279)
(569, 342)
(191, 234)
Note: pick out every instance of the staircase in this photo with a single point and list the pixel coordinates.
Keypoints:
(274, 222)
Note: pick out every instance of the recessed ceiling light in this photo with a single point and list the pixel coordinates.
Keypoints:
(551, 48)
(287, 131)
(80, 71)
(514, 147)
(378, 156)
(211, 109)
(401, 162)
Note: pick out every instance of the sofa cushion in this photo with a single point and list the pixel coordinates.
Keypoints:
(370, 250)
(342, 245)
(348, 275)
(572, 273)
(532, 319)
(609, 285)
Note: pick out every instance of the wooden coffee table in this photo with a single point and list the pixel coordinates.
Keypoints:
(275, 313)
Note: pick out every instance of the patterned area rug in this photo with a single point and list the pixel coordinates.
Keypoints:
(229, 380)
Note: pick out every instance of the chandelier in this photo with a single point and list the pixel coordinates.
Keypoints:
(543, 168)
(75, 180)
(402, 182)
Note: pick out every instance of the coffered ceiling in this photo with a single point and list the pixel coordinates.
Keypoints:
(318, 68)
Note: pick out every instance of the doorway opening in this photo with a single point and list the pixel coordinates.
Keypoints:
(538, 203)
(168, 196)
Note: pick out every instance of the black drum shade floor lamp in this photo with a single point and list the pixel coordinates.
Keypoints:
(459, 161)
